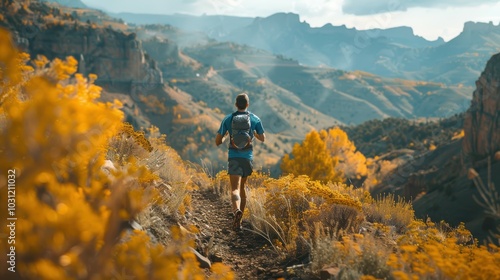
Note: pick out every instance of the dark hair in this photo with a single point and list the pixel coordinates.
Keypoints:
(242, 101)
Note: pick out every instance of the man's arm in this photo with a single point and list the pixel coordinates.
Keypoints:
(259, 128)
(219, 139)
(261, 137)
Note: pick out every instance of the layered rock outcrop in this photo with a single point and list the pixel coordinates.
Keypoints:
(109, 54)
(437, 181)
(113, 55)
(482, 119)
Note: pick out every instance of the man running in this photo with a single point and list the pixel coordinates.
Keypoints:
(241, 127)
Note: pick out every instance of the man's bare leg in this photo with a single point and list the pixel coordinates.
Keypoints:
(235, 191)
(243, 194)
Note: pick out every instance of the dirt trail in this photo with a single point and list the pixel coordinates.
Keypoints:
(248, 254)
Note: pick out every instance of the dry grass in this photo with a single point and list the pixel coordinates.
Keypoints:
(378, 240)
(354, 254)
(389, 211)
(283, 211)
(300, 218)
(488, 199)
(336, 217)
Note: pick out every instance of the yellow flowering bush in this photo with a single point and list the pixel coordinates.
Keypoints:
(390, 211)
(70, 214)
(303, 196)
(365, 238)
(283, 210)
(425, 252)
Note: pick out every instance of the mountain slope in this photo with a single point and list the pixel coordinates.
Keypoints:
(331, 92)
(213, 25)
(394, 52)
(437, 180)
(290, 98)
(185, 92)
(68, 3)
(378, 137)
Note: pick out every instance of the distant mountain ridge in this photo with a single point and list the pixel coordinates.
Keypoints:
(394, 52)
(186, 91)
(216, 26)
(68, 3)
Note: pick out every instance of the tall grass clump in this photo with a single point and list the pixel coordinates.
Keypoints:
(390, 211)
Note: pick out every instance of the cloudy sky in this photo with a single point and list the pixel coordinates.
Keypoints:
(429, 18)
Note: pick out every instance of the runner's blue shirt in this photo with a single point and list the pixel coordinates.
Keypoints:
(255, 125)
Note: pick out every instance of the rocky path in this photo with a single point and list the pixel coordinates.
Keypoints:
(249, 255)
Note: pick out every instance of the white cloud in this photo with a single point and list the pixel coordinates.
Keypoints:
(368, 7)
(430, 23)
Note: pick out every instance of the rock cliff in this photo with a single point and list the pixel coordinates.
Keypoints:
(480, 27)
(437, 181)
(482, 120)
(111, 54)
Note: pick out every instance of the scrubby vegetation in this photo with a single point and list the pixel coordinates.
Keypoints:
(81, 176)
(326, 156)
(311, 214)
(378, 137)
(339, 226)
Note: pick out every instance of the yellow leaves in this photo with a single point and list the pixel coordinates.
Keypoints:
(41, 62)
(458, 135)
(351, 162)
(55, 133)
(425, 252)
(46, 269)
(409, 248)
(311, 158)
(7, 49)
(13, 68)
(55, 122)
(221, 272)
(62, 209)
(390, 210)
(92, 78)
(325, 156)
(62, 70)
(292, 202)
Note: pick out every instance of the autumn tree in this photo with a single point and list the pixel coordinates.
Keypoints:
(350, 162)
(311, 158)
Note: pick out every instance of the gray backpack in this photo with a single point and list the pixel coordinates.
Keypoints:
(241, 136)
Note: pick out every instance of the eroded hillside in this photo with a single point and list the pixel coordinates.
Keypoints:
(186, 91)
